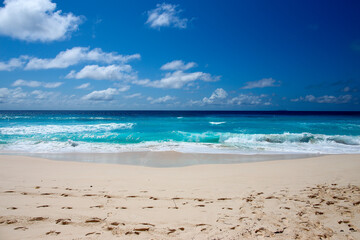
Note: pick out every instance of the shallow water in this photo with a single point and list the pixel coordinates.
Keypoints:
(182, 131)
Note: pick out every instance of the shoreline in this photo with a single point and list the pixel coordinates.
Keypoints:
(165, 159)
(283, 199)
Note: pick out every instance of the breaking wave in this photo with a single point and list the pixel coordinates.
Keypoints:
(51, 129)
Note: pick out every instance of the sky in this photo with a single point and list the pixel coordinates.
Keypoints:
(180, 55)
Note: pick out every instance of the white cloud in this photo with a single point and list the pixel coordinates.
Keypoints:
(36, 20)
(178, 79)
(178, 65)
(123, 88)
(20, 82)
(83, 86)
(13, 63)
(166, 15)
(135, 95)
(110, 72)
(41, 95)
(76, 55)
(161, 99)
(219, 93)
(142, 82)
(265, 82)
(104, 95)
(324, 99)
(12, 95)
(52, 84)
(244, 99)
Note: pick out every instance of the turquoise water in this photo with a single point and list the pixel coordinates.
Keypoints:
(205, 132)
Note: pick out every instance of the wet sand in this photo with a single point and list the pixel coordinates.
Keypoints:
(311, 198)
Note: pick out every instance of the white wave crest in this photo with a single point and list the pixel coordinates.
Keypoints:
(216, 123)
(51, 129)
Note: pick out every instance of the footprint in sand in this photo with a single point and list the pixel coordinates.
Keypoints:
(66, 208)
(200, 224)
(21, 228)
(12, 208)
(42, 206)
(93, 220)
(141, 229)
(62, 221)
(171, 231)
(117, 224)
(91, 233)
(97, 206)
(11, 221)
(223, 199)
(36, 219)
(52, 232)
(153, 198)
(89, 195)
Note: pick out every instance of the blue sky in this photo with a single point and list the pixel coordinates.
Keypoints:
(184, 55)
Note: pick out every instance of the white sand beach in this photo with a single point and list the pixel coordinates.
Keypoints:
(312, 198)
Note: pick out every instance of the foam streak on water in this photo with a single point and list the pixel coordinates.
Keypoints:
(201, 132)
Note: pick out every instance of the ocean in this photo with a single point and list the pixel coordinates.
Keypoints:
(230, 132)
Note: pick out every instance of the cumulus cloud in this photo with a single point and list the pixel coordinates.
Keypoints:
(219, 93)
(135, 95)
(178, 79)
(104, 95)
(166, 15)
(244, 99)
(110, 72)
(13, 63)
(161, 99)
(76, 55)
(83, 86)
(123, 88)
(220, 97)
(177, 65)
(324, 99)
(20, 82)
(41, 95)
(265, 82)
(36, 20)
(12, 95)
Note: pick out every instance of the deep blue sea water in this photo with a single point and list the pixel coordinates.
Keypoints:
(183, 131)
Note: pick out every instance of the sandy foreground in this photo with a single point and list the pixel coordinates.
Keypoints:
(312, 198)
